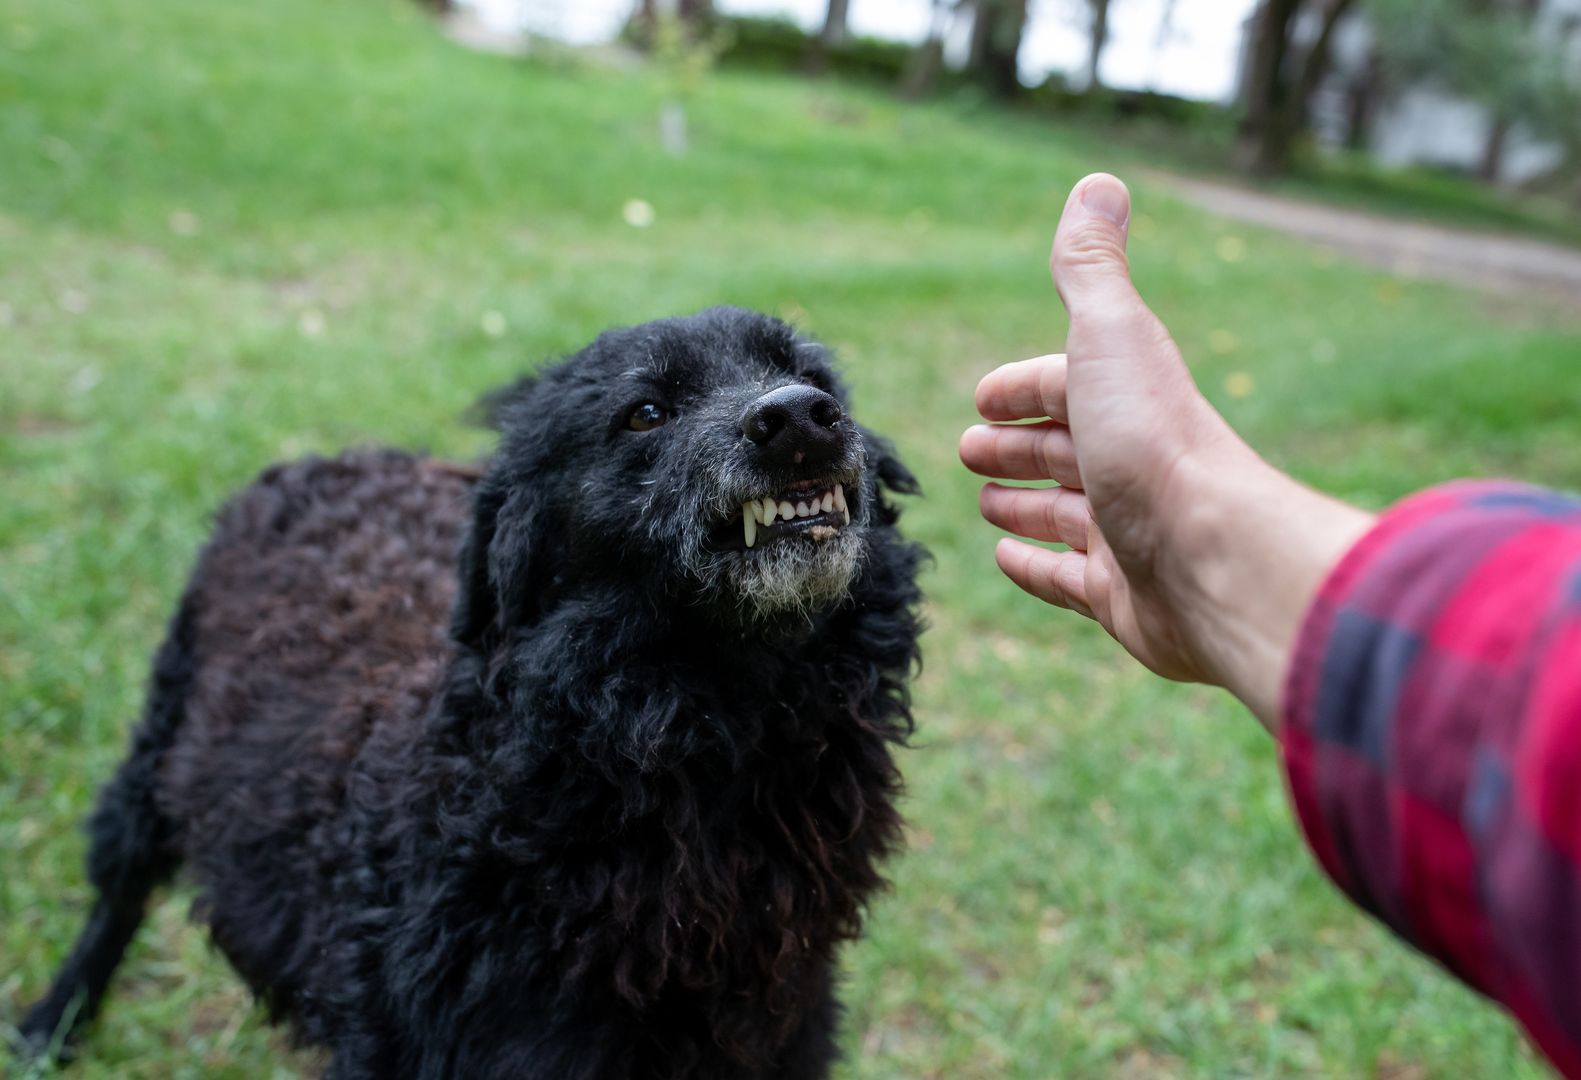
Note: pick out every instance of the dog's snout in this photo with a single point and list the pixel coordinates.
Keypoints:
(793, 422)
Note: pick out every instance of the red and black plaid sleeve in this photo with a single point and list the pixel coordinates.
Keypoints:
(1432, 739)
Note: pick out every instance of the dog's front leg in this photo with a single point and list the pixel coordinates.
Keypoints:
(363, 1055)
(812, 1049)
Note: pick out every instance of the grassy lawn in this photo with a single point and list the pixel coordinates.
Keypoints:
(231, 232)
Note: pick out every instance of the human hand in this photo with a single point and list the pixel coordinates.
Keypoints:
(1196, 555)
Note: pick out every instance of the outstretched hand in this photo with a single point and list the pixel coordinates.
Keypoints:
(1197, 556)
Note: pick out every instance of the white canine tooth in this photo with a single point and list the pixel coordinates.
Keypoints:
(769, 508)
(801, 509)
(749, 522)
(847, 514)
(839, 502)
(787, 511)
(752, 510)
(828, 501)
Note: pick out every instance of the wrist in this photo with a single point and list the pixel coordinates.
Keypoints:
(1254, 550)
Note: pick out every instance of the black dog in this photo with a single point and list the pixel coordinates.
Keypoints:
(616, 821)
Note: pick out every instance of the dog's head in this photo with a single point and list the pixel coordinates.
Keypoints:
(705, 461)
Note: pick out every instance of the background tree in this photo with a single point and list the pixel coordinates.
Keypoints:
(1281, 77)
(1500, 121)
(997, 27)
(1097, 38)
(1492, 52)
(646, 16)
(646, 13)
(834, 22)
(1565, 120)
(922, 73)
(1364, 91)
(834, 32)
(1161, 39)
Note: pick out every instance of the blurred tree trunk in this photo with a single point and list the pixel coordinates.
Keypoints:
(1280, 84)
(1161, 40)
(1491, 167)
(834, 22)
(996, 42)
(1361, 105)
(922, 72)
(1270, 32)
(833, 33)
(645, 16)
(1098, 37)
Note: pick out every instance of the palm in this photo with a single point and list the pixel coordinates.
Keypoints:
(1141, 627)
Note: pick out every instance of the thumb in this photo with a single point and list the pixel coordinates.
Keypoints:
(1088, 261)
(1126, 383)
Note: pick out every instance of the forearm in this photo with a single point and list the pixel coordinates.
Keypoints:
(1253, 548)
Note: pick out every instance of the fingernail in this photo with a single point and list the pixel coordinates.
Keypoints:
(1105, 197)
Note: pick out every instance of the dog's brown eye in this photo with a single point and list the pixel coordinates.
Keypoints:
(647, 416)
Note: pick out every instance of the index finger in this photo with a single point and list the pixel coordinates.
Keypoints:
(1025, 390)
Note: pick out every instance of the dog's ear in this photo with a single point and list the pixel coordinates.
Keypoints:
(476, 608)
(495, 405)
(890, 475)
(501, 553)
(501, 563)
(886, 465)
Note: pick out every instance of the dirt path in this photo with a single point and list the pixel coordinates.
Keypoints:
(1490, 261)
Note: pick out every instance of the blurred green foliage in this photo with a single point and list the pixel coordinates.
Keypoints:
(1495, 52)
(778, 44)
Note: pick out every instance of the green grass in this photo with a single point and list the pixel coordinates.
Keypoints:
(1434, 195)
(232, 231)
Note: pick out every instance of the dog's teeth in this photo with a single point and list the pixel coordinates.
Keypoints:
(749, 522)
(770, 507)
(787, 511)
(801, 509)
(839, 502)
(828, 501)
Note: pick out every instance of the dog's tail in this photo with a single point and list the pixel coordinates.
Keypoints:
(131, 851)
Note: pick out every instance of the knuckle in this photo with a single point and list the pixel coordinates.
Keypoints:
(1089, 245)
(1072, 524)
(1041, 456)
(1052, 517)
(1048, 582)
(1051, 387)
(1117, 319)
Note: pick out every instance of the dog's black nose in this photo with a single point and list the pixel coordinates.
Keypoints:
(793, 422)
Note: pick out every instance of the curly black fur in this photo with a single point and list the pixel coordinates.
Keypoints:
(616, 820)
